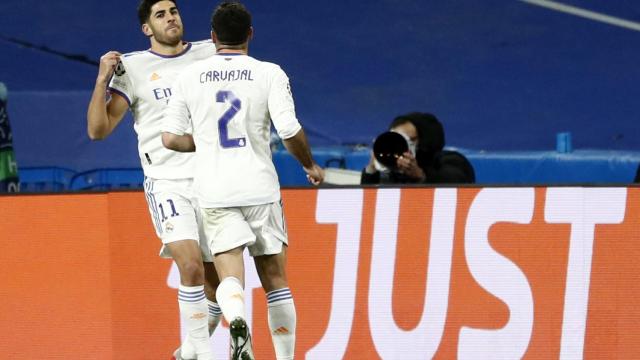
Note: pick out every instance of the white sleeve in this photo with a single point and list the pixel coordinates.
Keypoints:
(281, 106)
(176, 118)
(121, 83)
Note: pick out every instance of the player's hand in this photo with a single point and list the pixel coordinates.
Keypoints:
(315, 174)
(108, 64)
(408, 165)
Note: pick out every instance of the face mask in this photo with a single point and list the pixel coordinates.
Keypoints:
(412, 147)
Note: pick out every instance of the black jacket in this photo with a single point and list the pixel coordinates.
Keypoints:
(440, 166)
(447, 167)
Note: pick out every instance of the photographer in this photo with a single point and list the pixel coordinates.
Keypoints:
(424, 161)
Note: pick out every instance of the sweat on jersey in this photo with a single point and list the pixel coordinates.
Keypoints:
(145, 79)
(230, 101)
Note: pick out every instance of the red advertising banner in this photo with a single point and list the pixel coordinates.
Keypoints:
(375, 273)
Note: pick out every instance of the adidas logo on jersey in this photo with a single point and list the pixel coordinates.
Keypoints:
(155, 77)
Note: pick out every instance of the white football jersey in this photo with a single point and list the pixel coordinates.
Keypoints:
(145, 79)
(230, 101)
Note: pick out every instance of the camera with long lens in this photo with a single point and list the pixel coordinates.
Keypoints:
(388, 147)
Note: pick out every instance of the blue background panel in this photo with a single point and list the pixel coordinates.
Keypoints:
(501, 75)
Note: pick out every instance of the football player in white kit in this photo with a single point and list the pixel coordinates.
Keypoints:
(230, 100)
(142, 82)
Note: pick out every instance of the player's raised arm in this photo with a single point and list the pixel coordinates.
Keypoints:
(298, 146)
(102, 115)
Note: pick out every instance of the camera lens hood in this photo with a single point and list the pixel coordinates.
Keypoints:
(388, 147)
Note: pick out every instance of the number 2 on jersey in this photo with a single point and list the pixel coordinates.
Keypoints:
(223, 122)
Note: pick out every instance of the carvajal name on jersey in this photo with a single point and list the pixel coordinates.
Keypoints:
(225, 75)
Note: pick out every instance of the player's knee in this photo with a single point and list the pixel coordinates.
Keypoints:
(274, 279)
(192, 271)
(273, 269)
(276, 274)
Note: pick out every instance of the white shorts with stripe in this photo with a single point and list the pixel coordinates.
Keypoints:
(261, 228)
(175, 213)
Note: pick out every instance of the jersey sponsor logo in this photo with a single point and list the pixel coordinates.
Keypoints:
(162, 93)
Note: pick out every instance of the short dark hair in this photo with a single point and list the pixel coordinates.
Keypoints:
(231, 22)
(144, 9)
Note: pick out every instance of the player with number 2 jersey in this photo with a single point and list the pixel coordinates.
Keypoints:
(231, 99)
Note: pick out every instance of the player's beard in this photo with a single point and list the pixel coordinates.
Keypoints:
(170, 37)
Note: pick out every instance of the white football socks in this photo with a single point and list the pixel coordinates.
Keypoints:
(214, 319)
(214, 315)
(230, 296)
(194, 313)
(282, 322)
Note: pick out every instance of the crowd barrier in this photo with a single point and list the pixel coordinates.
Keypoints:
(552, 167)
(474, 272)
(55, 179)
(514, 168)
(45, 179)
(108, 179)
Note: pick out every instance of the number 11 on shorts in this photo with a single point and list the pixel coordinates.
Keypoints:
(173, 210)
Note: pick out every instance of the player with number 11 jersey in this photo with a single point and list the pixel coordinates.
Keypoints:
(144, 79)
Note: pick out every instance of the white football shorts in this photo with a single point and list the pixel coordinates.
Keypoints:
(175, 213)
(261, 228)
